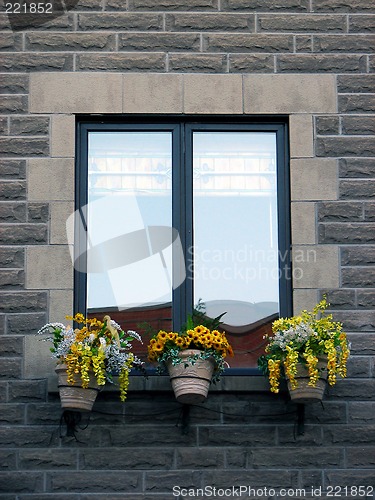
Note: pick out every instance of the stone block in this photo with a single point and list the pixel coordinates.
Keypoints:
(16, 302)
(60, 42)
(12, 169)
(361, 412)
(12, 257)
(63, 136)
(10, 104)
(340, 299)
(11, 414)
(51, 459)
(12, 278)
(236, 458)
(21, 482)
(27, 62)
(51, 179)
(43, 413)
(349, 434)
(356, 321)
(358, 277)
(14, 84)
(12, 212)
(331, 457)
(192, 5)
(332, 413)
(361, 457)
(350, 477)
(248, 42)
(122, 62)
(289, 94)
(152, 93)
(255, 478)
(251, 63)
(37, 212)
(357, 189)
(342, 6)
(336, 43)
(23, 234)
(213, 94)
(313, 179)
(358, 125)
(320, 63)
(202, 458)
(304, 299)
(133, 458)
(120, 21)
(266, 5)
(366, 299)
(159, 42)
(197, 63)
(157, 483)
(75, 93)
(315, 266)
(61, 305)
(303, 223)
(25, 146)
(38, 363)
(25, 323)
(370, 212)
(304, 43)
(29, 125)
(361, 24)
(60, 211)
(10, 368)
(95, 481)
(355, 83)
(340, 211)
(358, 256)
(359, 367)
(7, 457)
(348, 233)
(49, 267)
(362, 344)
(210, 22)
(301, 137)
(3, 125)
(356, 103)
(28, 391)
(357, 168)
(327, 125)
(258, 435)
(310, 23)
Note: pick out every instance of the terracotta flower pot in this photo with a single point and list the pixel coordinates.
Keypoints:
(191, 384)
(75, 397)
(304, 393)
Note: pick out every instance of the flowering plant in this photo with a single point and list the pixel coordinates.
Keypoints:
(98, 346)
(304, 339)
(199, 333)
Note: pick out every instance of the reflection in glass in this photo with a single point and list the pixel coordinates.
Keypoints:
(235, 234)
(129, 192)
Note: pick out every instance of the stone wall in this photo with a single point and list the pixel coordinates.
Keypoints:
(309, 59)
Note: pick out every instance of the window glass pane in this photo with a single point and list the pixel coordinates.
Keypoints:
(236, 267)
(129, 195)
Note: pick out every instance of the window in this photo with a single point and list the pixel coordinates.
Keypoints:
(172, 213)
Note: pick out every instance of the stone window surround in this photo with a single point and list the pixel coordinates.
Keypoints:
(63, 95)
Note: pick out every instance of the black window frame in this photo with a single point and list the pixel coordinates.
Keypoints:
(182, 128)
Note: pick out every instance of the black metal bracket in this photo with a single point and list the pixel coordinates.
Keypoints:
(300, 419)
(72, 418)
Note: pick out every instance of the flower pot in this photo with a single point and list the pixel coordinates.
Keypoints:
(75, 397)
(191, 383)
(304, 393)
